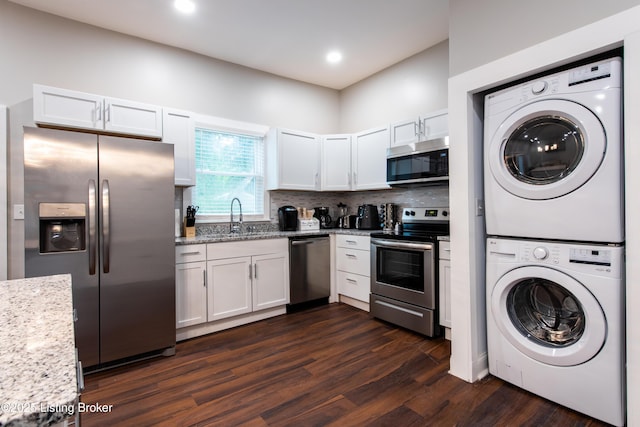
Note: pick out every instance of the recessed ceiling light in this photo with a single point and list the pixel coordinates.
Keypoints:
(184, 6)
(334, 57)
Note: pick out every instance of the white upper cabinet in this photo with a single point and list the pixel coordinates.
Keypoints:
(405, 132)
(369, 159)
(178, 129)
(67, 108)
(336, 162)
(293, 160)
(132, 118)
(429, 126)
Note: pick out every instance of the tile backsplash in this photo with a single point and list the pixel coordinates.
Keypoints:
(437, 195)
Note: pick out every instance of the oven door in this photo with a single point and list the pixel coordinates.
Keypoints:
(404, 271)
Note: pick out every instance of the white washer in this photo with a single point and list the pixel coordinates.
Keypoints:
(555, 322)
(553, 156)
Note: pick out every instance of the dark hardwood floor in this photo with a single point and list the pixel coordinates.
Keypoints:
(332, 365)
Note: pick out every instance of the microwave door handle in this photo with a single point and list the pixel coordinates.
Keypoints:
(91, 220)
(106, 227)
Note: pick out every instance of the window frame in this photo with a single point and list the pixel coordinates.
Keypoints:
(219, 124)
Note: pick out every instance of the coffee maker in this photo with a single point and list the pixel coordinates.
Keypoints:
(323, 216)
(288, 218)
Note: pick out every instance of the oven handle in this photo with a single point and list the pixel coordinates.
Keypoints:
(401, 245)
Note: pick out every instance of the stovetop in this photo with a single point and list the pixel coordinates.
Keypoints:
(421, 224)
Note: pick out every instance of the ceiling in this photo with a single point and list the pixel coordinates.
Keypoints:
(289, 38)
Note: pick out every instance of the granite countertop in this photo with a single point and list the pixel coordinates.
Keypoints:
(226, 237)
(38, 381)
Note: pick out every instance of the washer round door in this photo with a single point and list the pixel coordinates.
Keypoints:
(548, 316)
(547, 149)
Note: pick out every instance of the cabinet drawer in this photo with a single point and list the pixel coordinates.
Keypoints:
(445, 250)
(353, 261)
(354, 286)
(353, 242)
(191, 253)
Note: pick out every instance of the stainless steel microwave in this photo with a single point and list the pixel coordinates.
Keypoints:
(420, 162)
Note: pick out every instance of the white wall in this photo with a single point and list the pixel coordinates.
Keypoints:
(413, 87)
(3, 192)
(468, 359)
(36, 47)
(483, 31)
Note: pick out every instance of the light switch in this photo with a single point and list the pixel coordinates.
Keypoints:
(18, 211)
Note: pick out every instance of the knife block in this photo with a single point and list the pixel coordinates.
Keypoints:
(190, 229)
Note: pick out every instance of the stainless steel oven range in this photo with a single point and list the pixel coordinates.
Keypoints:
(404, 270)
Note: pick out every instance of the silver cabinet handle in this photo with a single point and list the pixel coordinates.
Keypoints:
(351, 280)
(351, 256)
(107, 113)
(106, 227)
(204, 278)
(255, 271)
(351, 242)
(92, 227)
(190, 253)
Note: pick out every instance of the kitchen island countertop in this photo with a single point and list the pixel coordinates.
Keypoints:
(228, 237)
(38, 379)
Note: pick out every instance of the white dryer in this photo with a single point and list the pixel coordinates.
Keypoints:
(555, 322)
(553, 156)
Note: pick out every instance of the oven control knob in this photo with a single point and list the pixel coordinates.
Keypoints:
(413, 213)
(540, 253)
(445, 213)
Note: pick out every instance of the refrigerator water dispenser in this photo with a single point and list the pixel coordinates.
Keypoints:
(62, 227)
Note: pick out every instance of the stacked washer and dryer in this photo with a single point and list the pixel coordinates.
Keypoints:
(553, 176)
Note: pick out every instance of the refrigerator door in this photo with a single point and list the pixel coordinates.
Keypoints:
(137, 261)
(60, 174)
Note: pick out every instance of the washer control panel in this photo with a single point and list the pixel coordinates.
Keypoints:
(540, 253)
(590, 256)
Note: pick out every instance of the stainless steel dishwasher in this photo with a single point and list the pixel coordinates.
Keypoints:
(309, 271)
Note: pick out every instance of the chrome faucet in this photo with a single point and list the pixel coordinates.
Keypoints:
(235, 227)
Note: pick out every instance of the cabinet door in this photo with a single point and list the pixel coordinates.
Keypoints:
(298, 161)
(435, 125)
(405, 132)
(270, 281)
(369, 155)
(336, 162)
(445, 293)
(191, 294)
(67, 108)
(132, 118)
(229, 287)
(178, 129)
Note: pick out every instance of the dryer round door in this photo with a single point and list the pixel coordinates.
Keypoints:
(547, 149)
(548, 316)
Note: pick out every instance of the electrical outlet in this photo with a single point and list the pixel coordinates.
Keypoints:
(18, 211)
(479, 207)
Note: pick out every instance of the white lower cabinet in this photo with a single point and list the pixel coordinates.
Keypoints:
(245, 281)
(353, 265)
(270, 280)
(229, 287)
(191, 285)
(445, 283)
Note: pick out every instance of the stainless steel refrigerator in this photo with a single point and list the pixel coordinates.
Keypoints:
(102, 209)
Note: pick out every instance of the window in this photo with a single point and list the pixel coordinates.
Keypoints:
(229, 164)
